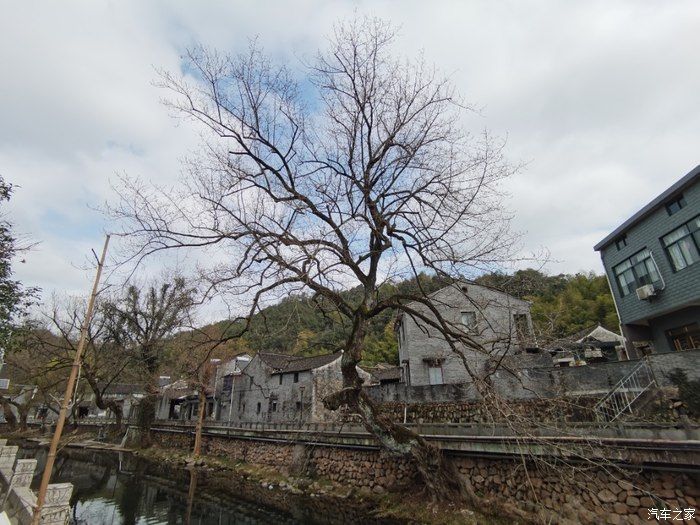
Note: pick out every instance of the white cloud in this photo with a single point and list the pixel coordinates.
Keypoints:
(599, 99)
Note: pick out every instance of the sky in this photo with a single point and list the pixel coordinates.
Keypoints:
(598, 100)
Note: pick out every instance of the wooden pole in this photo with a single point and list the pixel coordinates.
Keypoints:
(46, 476)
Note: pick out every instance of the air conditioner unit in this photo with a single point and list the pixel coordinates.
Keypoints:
(645, 292)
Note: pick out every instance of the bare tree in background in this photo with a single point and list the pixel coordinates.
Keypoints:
(140, 322)
(358, 174)
(104, 364)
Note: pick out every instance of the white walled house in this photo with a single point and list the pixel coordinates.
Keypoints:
(280, 388)
(497, 321)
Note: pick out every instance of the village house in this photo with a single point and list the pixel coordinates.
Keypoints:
(223, 384)
(285, 389)
(498, 322)
(128, 395)
(591, 345)
(653, 265)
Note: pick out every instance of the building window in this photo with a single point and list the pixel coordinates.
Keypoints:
(257, 411)
(435, 375)
(683, 244)
(228, 382)
(298, 405)
(296, 377)
(621, 242)
(675, 205)
(685, 338)
(468, 320)
(281, 378)
(522, 327)
(273, 406)
(4, 384)
(638, 270)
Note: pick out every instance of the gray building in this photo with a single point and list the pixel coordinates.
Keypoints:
(498, 322)
(281, 388)
(652, 262)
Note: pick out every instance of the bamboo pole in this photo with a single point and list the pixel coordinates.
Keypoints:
(46, 476)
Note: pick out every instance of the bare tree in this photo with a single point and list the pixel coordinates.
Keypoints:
(104, 363)
(355, 175)
(141, 323)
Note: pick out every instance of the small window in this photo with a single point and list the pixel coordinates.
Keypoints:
(274, 406)
(435, 375)
(522, 327)
(281, 375)
(4, 384)
(468, 320)
(621, 242)
(675, 205)
(258, 409)
(296, 377)
(298, 405)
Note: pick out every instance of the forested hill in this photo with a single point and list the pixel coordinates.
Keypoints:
(562, 304)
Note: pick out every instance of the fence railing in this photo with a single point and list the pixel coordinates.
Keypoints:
(623, 395)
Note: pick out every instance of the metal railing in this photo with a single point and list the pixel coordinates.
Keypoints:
(623, 395)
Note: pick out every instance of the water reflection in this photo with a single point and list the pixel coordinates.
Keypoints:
(113, 488)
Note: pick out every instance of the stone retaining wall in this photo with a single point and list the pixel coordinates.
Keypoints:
(542, 410)
(585, 494)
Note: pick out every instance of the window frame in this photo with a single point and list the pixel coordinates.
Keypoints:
(621, 242)
(678, 201)
(693, 232)
(442, 374)
(522, 329)
(296, 377)
(474, 324)
(633, 262)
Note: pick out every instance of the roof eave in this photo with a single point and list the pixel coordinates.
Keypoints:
(679, 185)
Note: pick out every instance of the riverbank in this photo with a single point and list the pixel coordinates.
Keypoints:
(390, 507)
(276, 488)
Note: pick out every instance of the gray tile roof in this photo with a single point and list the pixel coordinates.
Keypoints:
(387, 374)
(281, 363)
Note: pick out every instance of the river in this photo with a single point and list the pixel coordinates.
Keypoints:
(113, 488)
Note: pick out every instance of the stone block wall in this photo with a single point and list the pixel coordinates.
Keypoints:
(540, 410)
(581, 494)
(585, 494)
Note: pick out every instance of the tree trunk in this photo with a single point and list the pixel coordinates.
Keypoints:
(200, 423)
(146, 417)
(440, 479)
(105, 404)
(23, 412)
(10, 417)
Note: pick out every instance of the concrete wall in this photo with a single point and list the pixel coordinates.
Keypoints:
(530, 383)
(495, 331)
